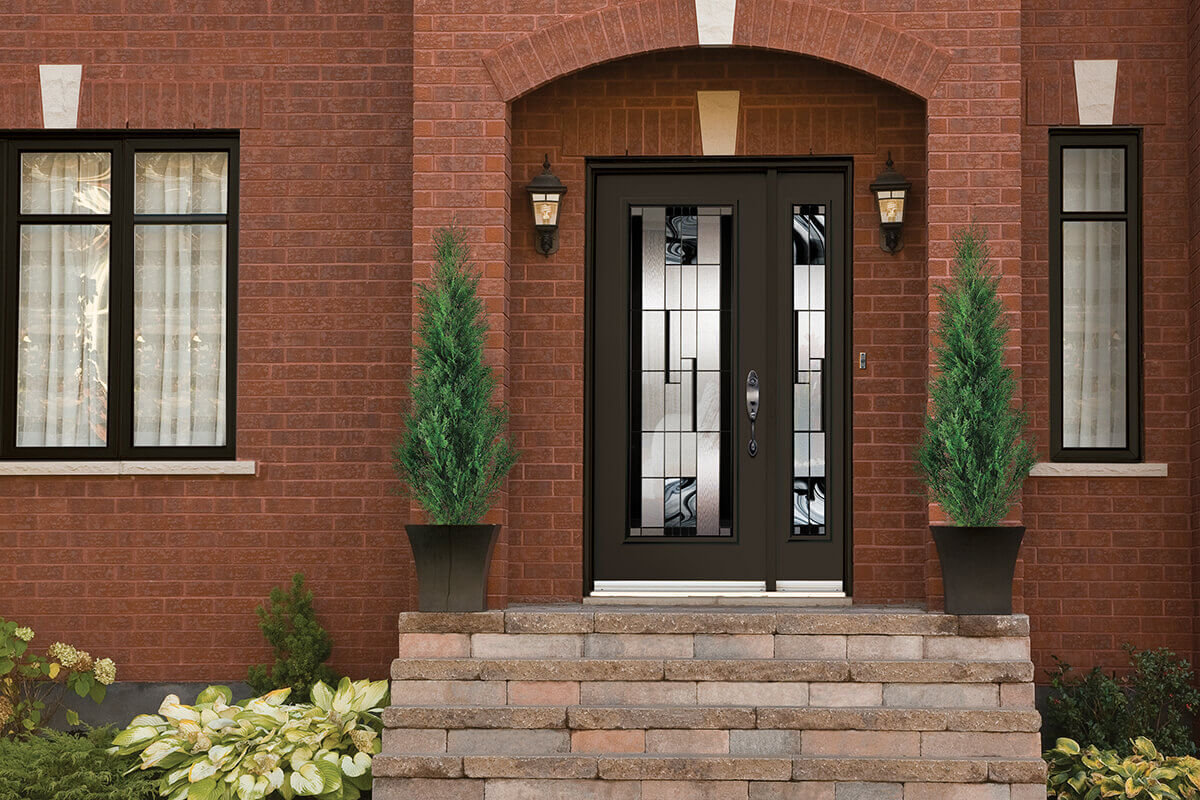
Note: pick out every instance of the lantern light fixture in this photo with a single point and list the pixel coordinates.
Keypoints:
(545, 195)
(891, 191)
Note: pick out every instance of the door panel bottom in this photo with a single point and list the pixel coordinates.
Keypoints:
(717, 589)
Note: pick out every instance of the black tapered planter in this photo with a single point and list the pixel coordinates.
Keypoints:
(978, 566)
(452, 565)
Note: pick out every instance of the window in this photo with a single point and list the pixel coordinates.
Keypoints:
(1095, 295)
(119, 270)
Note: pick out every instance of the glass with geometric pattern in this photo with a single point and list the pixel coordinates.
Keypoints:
(679, 365)
(809, 488)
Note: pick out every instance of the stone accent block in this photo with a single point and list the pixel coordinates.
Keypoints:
(752, 645)
(887, 770)
(960, 648)
(631, 645)
(958, 745)
(691, 742)
(809, 790)
(988, 625)
(695, 790)
(707, 768)
(690, 622)
(1026, 770)
(751, 693)
(941, 695)
(452, 622)
(845, 694)
(557, 767)
(646, 718)
(946, 791)
(757, 670)
(884, 648)
(452, 717)
(1028, 791)
(873, 621)
(570, 669)
(435, 645)
(869, 791)
(637, 693)
(764, 743)
(508, 742)
(942, 671)
(426, 789)
(889, 744)
(1017, 695)
(815, 646)
(560, 790)
(414, 741)
(386, 765)
(608, 741)
(526, 645)
(518, 621)
(543, 693)
(448, 693)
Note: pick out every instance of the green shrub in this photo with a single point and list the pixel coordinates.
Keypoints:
(59, 766)
(1091, 774)
(454, 452)
(1155, 699)
(261, 747)
(302, 646)
(973, 455)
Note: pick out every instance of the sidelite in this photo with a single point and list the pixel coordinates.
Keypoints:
(679, 364)
(808, 387)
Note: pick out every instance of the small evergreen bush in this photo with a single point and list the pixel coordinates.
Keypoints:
(1156, 699)
(973, 455)
(454, 452)
(302, 646)
(59, 766)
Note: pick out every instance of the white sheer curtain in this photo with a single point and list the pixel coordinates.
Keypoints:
(62, 356)
(179, 302)
(1094, 301)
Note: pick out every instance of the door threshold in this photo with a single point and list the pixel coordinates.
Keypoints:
(745, 599)
(719, 592)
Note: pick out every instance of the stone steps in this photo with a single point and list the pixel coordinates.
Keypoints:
(747, 703)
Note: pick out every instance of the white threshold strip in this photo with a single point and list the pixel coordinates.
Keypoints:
(717, 589)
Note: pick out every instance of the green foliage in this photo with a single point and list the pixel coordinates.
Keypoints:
(973, 455)
(289, 624)
(1146, 774)
(59, 766)
(1155, 699)
(454, 452)
(261, 747)
(32, 685)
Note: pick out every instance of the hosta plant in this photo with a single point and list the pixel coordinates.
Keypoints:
(32, 684)
(262, 747)
(1093, 774)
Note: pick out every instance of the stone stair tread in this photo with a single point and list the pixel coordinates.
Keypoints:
(583, 717)
(715, 768)
(728, 669)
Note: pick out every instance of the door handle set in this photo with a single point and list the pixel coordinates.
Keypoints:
(752, 408)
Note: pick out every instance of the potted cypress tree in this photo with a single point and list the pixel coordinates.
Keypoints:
(454, 452)
(973, 455)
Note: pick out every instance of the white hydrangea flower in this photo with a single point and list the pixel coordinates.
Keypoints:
(24, 634)
(105, 671)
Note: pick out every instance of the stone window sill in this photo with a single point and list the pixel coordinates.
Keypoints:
(1080, 470)
(31, 468)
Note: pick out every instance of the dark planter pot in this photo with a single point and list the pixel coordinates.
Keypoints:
(977, 567)
(452, 565)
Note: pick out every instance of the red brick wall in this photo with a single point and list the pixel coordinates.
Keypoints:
(163, 574)
(1193, 182)
(1109, 561)
(646, 105)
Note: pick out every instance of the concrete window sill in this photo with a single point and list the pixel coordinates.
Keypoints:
(1073, 470)
(84, 468)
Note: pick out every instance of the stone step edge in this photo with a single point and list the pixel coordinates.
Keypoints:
(715, 768)
(584, 717)
(593, 619)
(727, 669)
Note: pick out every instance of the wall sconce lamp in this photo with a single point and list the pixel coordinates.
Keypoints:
(545, 193)
(890, 189)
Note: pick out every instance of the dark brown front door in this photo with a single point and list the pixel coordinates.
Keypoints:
(717, 321)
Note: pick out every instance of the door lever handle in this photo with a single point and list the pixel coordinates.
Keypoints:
(752, 408)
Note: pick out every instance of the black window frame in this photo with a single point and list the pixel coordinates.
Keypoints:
(123, 147)
(1130, 140)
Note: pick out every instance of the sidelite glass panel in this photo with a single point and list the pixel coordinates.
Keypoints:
(680, 362)
(808, 370)
(62, 330)
(1095, 341)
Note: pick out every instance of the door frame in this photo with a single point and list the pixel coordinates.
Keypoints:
(662, 165)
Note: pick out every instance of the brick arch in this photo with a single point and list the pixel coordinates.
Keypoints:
(793, 26)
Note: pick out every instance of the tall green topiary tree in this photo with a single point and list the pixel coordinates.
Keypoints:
(973, 455)
(454, 452)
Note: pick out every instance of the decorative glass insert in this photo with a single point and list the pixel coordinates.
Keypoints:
(808, 370)
(679, 364)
